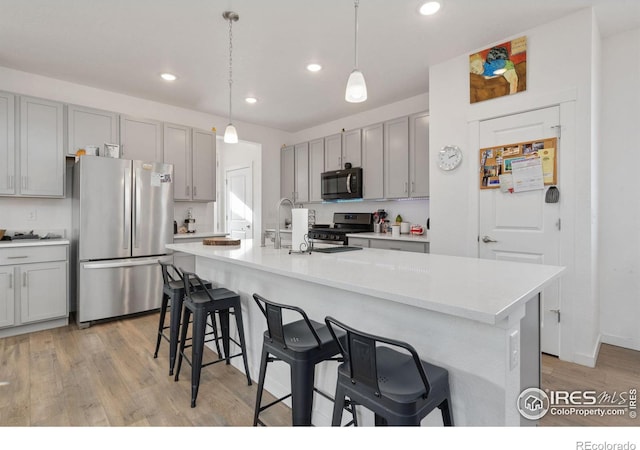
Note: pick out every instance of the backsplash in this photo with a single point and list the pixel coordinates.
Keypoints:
(202, 212)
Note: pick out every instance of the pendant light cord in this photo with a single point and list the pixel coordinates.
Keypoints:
(230, 63)
(355, 61)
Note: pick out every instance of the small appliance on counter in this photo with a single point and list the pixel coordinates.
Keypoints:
(190, 222)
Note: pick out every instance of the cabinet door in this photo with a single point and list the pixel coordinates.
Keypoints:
(7, 296)
(396, 158)
(177, 151)
(301, 173)
(86, 126)
(204, 166)
(42, 162)
(141, 139)
(419, 155)
(333, 152)
(43, 294)
(352, 148)
(7, 144)
(316, 167)
(372, 161)
(287, 186)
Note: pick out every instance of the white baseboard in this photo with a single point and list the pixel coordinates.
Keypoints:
(620, 341)
(590, 359)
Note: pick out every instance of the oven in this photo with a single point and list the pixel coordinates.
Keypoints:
(343, 224)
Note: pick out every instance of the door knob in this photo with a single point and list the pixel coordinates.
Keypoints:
(487, 239)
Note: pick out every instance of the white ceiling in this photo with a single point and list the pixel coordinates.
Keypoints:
(123, 46)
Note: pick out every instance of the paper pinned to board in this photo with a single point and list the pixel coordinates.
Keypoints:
(527, 174)
(299, 229)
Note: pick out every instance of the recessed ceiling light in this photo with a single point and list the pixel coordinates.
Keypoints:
(429, 8)
(251, 100)
(314, 67)
(168, 77)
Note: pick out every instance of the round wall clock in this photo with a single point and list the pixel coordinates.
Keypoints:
(450, 157)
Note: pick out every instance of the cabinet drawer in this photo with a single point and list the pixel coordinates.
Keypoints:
(28, 255)
(359, 242)
(418, 247)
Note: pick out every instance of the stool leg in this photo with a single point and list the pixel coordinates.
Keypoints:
(445, 409)
(174, 328)
(224, 326)
(263, 372)
(380, 421)
(237, 312)
(214, 328)
(197, 348)
(302, 378)
(163, 312)
(183, 339)
(338, 406)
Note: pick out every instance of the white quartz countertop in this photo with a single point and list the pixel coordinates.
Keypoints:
(387, 237)
(198, 234)
(477, 289)
(33, 242)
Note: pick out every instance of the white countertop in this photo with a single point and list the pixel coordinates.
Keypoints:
(477, 289)
(387, 236)
(198, 234)
(33, 242)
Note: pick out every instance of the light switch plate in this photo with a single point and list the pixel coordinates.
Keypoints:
(514, 349)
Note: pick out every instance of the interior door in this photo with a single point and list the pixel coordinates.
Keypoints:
(521, 226)
(239, 201)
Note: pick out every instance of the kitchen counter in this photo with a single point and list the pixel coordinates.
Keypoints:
(477, 318)
(33, 242)
(388, 237)
(198, 234)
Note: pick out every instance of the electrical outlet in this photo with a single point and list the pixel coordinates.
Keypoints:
(32, 215)
(514, 349)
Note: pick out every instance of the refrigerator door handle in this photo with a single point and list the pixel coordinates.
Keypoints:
(127, 208)
(116, 264)
(136, 208)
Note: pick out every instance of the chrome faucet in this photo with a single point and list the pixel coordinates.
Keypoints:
(283, 200)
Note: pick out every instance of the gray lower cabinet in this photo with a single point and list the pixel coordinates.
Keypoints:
(390, 244)
(33, 286)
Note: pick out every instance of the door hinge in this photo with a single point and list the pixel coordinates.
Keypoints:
(558, 129)
(557, 312)
(559, 224)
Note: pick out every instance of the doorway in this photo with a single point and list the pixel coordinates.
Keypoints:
(239, 202)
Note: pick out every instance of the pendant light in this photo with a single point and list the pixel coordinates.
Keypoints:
(356, 91)
(230, 133)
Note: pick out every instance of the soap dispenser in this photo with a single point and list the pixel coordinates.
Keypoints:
(190, 222)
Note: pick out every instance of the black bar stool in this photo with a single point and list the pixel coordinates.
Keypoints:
(202, 303)
(396, 385)
(172, 298)
(302, 345)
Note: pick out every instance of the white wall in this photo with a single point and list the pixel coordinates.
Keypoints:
(560, 61)
(38, 86)
(619, 261)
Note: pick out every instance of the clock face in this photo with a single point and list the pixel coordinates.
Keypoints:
(449, 157)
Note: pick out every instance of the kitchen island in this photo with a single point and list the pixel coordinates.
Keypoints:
(477, 318)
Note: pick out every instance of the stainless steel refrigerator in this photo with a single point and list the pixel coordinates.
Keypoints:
(122, 219)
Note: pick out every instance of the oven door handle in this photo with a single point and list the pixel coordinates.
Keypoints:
(349, 183)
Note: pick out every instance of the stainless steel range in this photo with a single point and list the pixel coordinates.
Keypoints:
(343, 224)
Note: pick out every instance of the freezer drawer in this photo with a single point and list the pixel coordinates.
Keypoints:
(118, 287)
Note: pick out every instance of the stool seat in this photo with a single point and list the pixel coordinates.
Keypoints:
(301, 344)
(388, 379)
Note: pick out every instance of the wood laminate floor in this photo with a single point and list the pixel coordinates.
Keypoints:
(106, 375)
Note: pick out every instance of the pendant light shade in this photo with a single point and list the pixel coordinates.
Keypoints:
(230, 133)
(356, 91)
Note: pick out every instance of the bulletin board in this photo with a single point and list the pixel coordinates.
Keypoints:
(497, 161)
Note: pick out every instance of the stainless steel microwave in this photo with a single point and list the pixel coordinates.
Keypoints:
(342, 184)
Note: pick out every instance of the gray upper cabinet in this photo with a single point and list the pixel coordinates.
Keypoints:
(177, 151)
(419, 155)
(141, 139)
(287, 168)
(204, 165)
(396, 158)
(301, 173)
(373, 161)
(193, 155)
(7, 144)
(42, 163)
(316, 167)
(87, 126)
(352, 148)
(333, 152)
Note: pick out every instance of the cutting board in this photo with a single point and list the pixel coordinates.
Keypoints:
(220, 241)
